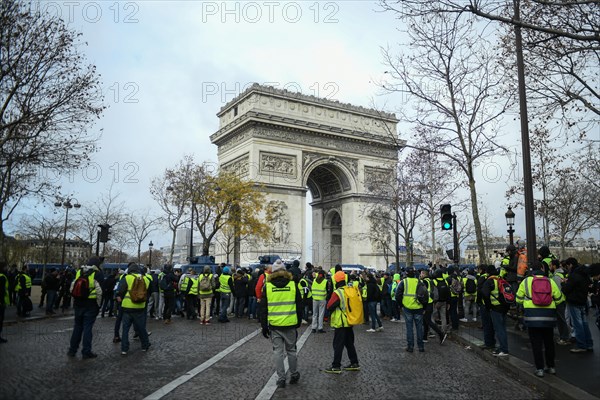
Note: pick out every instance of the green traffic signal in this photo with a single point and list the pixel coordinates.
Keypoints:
(446, 216)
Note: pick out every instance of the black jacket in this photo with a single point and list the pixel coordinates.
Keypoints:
(577, 286)
(373, 292)
(279, 279)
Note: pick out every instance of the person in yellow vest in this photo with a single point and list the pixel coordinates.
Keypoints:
(497, 311)
(190, 287)
(23, 289)
(319, 293)
(225, 289)
(344, 333)
(280, 316)
(307, 296)
(541, 317)
(134, 313)
(205, 294)
(406, 294)
(4, 297)
(86, 309)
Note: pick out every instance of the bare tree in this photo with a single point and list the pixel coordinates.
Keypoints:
(139, 227)
(571, 214)
(172, 202)
(49, 98)
(457, 94)
(44, 230)
(562, 42)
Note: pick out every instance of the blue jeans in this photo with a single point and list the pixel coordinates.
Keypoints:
(417, 317)
(84, 322)
(373, 313)
(225, 298)
(489, 339)
(499, 323)
(252, 306)
(138, 320)
(386, 306)
(581, 326)
(50, 299)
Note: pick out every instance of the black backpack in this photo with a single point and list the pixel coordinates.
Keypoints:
(422, 294)
(471, 286)
(442, 289)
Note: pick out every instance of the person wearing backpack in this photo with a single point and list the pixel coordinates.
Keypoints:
(343, 336)
(133, 307)
(428, 322)
(406, 294)
(225, 289)
(539, 296)
(167, 285)
(489, 337)
(441, 296)
(497, 309)
(86, 306)
(469, 294)
(205, 290)
(456, 289)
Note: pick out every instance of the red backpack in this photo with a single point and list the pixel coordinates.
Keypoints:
(507, 296)
(541, 291)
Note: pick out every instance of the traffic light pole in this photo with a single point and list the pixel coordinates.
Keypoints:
(455, 237)
(97, 243)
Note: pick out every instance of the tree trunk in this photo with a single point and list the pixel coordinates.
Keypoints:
(172, 251)
(476, 221)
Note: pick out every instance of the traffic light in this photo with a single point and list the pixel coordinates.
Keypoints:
(446, 213)
(104, 235)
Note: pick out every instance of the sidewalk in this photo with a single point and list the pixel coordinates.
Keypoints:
(10, 315)
(577, 377)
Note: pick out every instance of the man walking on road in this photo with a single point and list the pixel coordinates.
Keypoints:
(280, 315)
(4, 297)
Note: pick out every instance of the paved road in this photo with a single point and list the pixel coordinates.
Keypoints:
(34, 365)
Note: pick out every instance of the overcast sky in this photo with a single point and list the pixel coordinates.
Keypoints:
(167, 68)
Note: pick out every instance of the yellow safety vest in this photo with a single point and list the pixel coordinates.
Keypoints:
(194, 288)
(127, 303)
(339, 319)
(409, 298)
(224, 283)
(319, 290)
(91, 284)
(281, 302)
(309, 293)
(27, 282)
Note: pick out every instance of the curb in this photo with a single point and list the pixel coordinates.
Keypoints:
(550, 386)
(10, 322)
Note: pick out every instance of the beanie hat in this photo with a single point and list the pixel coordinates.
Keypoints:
(277, 266)
(226, 270)
(339, 276)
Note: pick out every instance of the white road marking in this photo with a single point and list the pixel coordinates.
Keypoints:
(271, 385)
(169, 387)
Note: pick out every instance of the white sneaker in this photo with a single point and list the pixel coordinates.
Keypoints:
(379, 329)
(474, 319)
(304, 322)
(371, 330)
(463, 320)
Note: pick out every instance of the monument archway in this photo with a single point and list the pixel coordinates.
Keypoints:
(292, 143)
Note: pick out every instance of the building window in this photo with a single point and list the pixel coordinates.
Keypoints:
(235, 111)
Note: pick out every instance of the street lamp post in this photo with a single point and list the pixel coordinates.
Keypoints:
(67, 205)
(510, 221)
(150, 245)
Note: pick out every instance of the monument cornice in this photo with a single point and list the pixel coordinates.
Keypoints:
(306, 99)
(305, 133)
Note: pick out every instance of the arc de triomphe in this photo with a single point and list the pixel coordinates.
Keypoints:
(290, 143)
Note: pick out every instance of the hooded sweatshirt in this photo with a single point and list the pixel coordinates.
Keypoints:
(577, 286)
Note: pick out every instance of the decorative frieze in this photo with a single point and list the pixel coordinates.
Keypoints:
(274, 164)
(240, 166)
